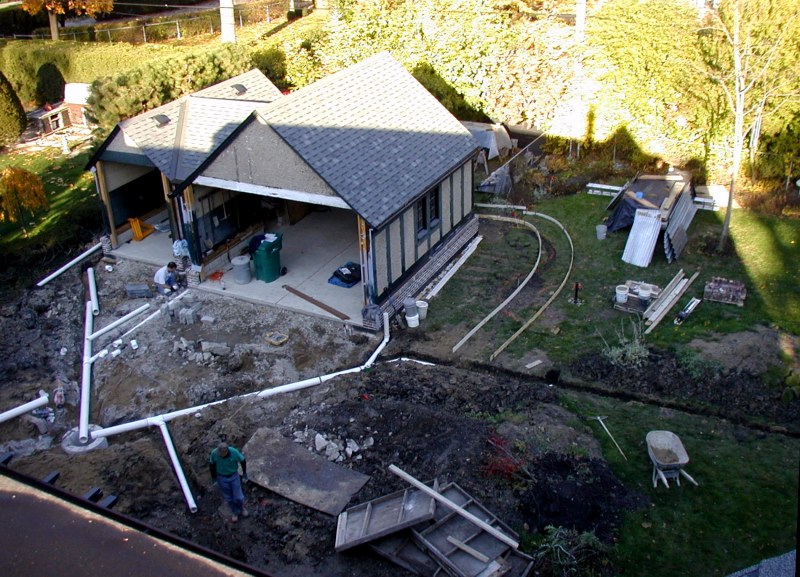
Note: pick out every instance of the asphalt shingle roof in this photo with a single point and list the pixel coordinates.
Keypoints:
(374, 134)
(197, 124)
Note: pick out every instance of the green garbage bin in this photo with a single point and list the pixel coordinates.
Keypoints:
(267, 258)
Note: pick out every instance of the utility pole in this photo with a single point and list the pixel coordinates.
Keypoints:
(228, 27)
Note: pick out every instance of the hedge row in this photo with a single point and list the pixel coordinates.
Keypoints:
(115, 98)
(38, 69)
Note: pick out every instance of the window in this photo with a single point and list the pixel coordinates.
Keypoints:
(427, 213)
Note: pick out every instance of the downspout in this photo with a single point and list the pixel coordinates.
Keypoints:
(93, 291)
(161, 420)
(176, 465)
(43, 399)
(67, 266)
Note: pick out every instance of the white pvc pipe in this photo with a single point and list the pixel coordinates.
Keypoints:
(409, 360)
(383, 342)
(176, 465)
(86, 378)
(151, 317)
(71, 263)
(93, 291)
(118, 322)
(161, 420)
(43, 399)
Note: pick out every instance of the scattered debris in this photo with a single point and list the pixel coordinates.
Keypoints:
(724, 290)
(687, 310)
(276, 339)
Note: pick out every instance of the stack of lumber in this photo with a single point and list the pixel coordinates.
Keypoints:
(667, 299)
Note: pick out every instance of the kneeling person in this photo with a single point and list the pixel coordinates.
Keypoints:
(166, 278)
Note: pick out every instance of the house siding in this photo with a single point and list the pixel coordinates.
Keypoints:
(259, 156)
(120, 174)
(396, 248)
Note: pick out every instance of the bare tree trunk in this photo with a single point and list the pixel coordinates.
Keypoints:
(53, 20)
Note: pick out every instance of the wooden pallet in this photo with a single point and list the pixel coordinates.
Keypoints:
(723, 290)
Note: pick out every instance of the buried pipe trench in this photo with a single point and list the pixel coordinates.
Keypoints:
(161, 420)
(93, 291)
(69, 265)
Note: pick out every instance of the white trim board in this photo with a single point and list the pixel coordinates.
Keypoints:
(319, 199)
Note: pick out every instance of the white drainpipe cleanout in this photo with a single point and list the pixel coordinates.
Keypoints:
(176, 465)
(93, 291)
(43, 399)
(70, 264)
(161, 420)
(86, 379)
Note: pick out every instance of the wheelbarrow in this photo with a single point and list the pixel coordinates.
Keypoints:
(669, 458)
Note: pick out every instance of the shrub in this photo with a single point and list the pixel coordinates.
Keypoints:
(630, 352)
(12, 116)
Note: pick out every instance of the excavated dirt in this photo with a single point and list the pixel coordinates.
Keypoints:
(536, 468)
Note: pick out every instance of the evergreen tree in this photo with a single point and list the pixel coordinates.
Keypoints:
(12, 115)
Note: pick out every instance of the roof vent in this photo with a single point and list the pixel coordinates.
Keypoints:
(239, 89)
(161, 120)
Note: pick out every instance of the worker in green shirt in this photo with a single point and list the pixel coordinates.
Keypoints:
(224, 467)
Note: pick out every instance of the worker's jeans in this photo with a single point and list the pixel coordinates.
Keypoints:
(171, 281)
(231, 488)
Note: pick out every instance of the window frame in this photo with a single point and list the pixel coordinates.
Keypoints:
(428, 213)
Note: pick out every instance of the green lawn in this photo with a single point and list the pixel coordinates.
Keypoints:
(73, 218)
(766, 252)
(744, 509)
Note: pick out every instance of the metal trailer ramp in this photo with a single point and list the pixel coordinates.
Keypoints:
(383, 516)
(466, 550)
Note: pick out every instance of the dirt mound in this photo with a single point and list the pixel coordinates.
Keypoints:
(735, 393)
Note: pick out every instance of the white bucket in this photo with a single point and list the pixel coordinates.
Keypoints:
(422, 309)
(644, 292)
(622, 293)
(412, 321)
(601, 231)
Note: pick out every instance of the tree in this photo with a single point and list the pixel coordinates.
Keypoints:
(21, 191)
(12, 115)
(55, 8)
(752, 54)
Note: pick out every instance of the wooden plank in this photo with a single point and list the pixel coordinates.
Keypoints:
(678, 295)
(663, 294)
(455, 508)
(315, 302)
(468, 550)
